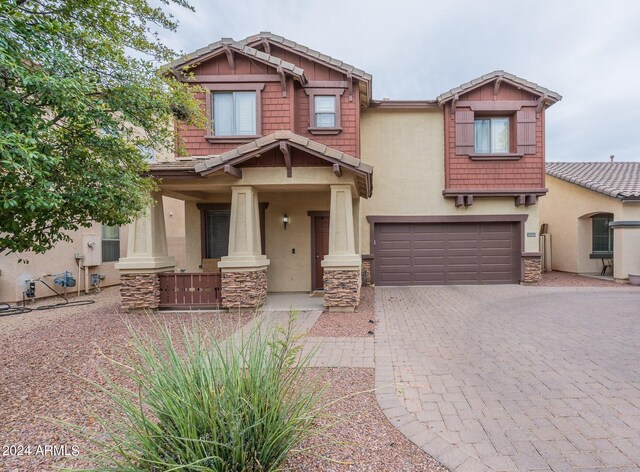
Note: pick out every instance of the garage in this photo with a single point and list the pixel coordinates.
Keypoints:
(442, 252)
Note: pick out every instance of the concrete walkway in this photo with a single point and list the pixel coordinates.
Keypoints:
(327, 351)
(513, 378)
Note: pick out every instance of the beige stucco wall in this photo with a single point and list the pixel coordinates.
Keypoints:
(567, 209)
(287, 272)
(406, 149)
(13, 274)
(290, 272)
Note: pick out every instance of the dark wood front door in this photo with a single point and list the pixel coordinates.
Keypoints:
(319, 248)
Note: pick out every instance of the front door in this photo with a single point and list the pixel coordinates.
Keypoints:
(320, 248)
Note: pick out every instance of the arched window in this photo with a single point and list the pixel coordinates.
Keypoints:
(601, 234)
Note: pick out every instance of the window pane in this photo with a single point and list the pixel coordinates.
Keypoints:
(602, 235)
(245, 110)
(110, 232)
(325, 103)
(223, 114)
(325, 120)
(217, 234)
(482, 136)
(499, 135)
(110, 243)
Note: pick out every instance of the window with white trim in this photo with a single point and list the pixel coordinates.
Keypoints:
(234, 113)
(491, 135)
(325, 111)
(110, 243)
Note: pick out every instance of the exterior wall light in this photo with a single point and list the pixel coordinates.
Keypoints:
(285, 220)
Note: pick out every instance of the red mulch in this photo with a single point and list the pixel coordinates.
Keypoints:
(355, 324)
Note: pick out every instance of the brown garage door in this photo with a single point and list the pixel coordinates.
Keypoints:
(446, 253)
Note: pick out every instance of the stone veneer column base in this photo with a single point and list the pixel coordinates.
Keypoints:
(532, 270)
(342, 289)
(367, 275)
(139, 291)
(244, 289)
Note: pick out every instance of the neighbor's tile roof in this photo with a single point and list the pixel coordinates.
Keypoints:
(443, 97)
(242, 49)
(614, 179)
(308, 52)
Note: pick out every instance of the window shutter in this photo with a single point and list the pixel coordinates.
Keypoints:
(526, 131)
(464, 132)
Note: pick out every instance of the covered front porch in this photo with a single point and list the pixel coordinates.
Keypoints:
(250, 229)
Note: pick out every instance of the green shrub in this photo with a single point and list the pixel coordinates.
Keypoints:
(199, 404)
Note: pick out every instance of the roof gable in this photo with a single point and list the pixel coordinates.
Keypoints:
(544, 93)
(266, 39)
(254, 148)
(620, 180)
(229, 46)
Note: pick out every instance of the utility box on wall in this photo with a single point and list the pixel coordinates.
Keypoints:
(91, 250)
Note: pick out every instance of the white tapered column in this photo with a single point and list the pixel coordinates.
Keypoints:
(342, 266)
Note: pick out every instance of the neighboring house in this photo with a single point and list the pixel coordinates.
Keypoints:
(593, 216)
(101, 247)
(279, 190)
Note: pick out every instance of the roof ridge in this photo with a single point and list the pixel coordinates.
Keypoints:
(317, 55)
(615, 179)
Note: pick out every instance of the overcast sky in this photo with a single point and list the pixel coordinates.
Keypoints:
(588, 51)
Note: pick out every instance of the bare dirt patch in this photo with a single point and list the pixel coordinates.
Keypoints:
(567, 279)
(364, 438)
(356, 324)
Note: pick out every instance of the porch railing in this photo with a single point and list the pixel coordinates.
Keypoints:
(195, 290)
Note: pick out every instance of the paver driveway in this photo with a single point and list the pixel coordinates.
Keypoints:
(511, 377)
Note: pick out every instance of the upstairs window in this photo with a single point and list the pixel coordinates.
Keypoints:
(325, 111)
(234, 114)
(491, 135)
(601, 234)
(110, 243)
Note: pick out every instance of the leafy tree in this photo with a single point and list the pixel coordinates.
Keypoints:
(81, 98)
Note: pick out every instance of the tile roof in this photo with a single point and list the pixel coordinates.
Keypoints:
(252, 148)
(443, 97)
(242, 49)
(615, 179)
(308, 52)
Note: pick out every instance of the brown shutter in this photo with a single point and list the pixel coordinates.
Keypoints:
(526, 131)
(465, 143)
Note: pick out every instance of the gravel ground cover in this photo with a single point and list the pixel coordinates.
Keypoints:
(363, 439)
(44, 356)
(355, 324)
(566, 279)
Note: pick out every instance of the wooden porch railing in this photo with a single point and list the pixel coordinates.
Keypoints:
(195, 290)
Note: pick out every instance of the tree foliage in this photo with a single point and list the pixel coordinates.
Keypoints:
(81, 100)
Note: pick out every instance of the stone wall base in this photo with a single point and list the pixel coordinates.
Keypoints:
(532, 270)
(244, 289)
(367, 275)
(139, 291)
(342, 289)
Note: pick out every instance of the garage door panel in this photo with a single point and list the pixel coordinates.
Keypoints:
(452, 253)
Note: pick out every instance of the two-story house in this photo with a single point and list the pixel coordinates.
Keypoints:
(279, 190)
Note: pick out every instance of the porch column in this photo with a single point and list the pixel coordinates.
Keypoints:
(146, 256)
(626, 249)
(244, 270)
(342, 279)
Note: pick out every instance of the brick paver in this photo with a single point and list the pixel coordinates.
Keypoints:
(511, 377)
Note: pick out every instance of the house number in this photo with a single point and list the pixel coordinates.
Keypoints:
(531, 235)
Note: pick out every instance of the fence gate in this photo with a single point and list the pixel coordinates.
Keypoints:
(190, 290)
